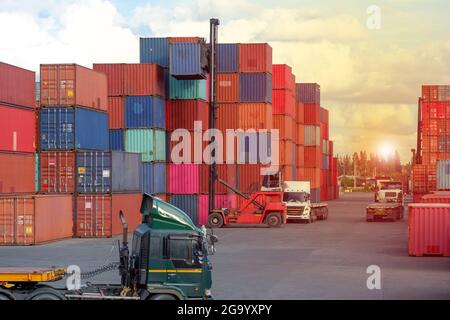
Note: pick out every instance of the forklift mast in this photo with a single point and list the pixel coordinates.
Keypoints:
(240, 193)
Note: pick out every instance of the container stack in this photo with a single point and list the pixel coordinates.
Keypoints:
(285, 120)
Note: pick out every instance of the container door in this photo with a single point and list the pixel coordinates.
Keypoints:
(24, 220)
(7, 222)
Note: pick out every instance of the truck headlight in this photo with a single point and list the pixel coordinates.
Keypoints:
(208, 292)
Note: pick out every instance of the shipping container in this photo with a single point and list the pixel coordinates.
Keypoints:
(188, 203)
(144, 112)
(116, 112)
(285, 148)
(181, 114)
(130, 205)
(17, 86)
(315, 195)
(116, 140)
(283, 102)
(300, 134)
(283, 77)
(34, 219)
(185, 40)
(299, 112)
(443, 174)
(300, 157)
(73, 128)
(70, 85)
(254, 116)
(227, 57)
(17, 129)
(126, 172)
(36, 172)
(311, 114)
(150, 143)
(187, 89)
(228, 201)
(93, 216)
(284, 123)
(227, 87)
(227, 116)
(325, 162)
(429, 229)
(255, 87)
(312, 136)
(255, 57)
(17, 173)
(310, 174)
(249, 177)
(187, 60)
(154, 177)
(313, 157)
(435, 93)
(184, 178)
(308, 93)
(154, 50)
(116, 77)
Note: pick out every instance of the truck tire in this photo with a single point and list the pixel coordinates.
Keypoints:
(162, 296)
(273, 220)
(46, 293)
(5, 295)
(215, 220)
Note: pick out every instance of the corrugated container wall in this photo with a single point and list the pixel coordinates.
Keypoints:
(255, 57)
(184, 178)
(227, 57)
(443, 174)
(144, 112)
(126, 172)
(187, 203)
(255, 87)
(227, 87)
(130, 205)
(17, 172)
(187, 89)
(150, 143)
(312, 136)
(17, 86)
(17, 129)
(116, 140)
(254, 116)
(154, 50)
(70, 85)
(154, 178)
(308, 93)
(185, 61)
(181, 114)
(93, 216)
(282, 77)
(116, 77)
(116, 112)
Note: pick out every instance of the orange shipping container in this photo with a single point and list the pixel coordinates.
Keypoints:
(254, 116)
(313, 157)
(286, 152)
(255, 57)
(287, 173)
(310, 174)
(300, 112)
(73, 85)
(283, 102)
(300, 134)
(17, 173)
(130, 205)
(249, 178)
(300, 157)
(93, 216)
(144, 80)
(227, 116)
(227, 87)
(181, 114)
(285, 125)
(116, 112)
(33, 219)
(184, 39)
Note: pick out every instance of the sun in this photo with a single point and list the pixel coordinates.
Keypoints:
(386, 150)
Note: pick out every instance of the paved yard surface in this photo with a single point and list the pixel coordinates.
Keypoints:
(323, 260)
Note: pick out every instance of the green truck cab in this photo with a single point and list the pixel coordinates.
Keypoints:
(171, 253)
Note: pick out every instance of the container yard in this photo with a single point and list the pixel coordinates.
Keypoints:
(209, 169)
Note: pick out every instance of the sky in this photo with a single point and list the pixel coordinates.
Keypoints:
(370, 78)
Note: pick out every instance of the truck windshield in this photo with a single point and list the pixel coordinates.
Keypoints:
(295, 197)
(391, 186)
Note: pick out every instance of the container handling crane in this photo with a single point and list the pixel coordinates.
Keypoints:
(262, 207)
(169, 260)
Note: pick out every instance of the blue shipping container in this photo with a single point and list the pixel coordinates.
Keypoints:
(73, 128)
(154, 50)
(126, 168)
(94, 172)
(256, 87)
(116, 141)
(185, 60)
(144, 112)
(187, 203)
(154, 177)
(227, 57)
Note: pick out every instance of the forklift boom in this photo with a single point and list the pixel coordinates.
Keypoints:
(238, 192)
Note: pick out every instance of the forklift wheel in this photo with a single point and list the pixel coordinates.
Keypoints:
(215, 220)
(273, 220)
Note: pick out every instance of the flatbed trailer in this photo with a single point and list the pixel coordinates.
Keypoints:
(320, 210)
(390, 211)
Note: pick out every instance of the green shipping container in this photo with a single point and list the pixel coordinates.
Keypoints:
(187, 89)
(150, 143)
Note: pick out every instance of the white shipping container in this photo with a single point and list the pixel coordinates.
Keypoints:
(312, 136)
(444, 93)
(443, 174)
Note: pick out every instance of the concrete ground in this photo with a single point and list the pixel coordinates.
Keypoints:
(323, 260)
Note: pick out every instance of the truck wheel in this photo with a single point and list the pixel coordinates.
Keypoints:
(5, 295)
(162, 297)
(273, 220)
(46, 294)
(215, 220)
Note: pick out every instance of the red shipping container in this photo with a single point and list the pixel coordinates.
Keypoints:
(300, 157)
(93, 215)
(163, 197)
(310, 174)
(285, 125)
(184, 178)
(116, 77)
(255, 57)
(116, 112)
(285, 152)
(254, 116)
(17, 129)
(17, 86)
(33, 219)
(324, 131)
(313, 157)
(331, 147)
(287, 173)
(57, 172)
(324, 193)
(227, 116)
(181, 114)
(312, 113)
(435, 198)
(249, 177)
(227, 87)
(429, 93)
(220, 201)
(73, 85)
(300, 112)
(325, 116)
(130, 205)
(17, 173)
(177, 148)
(283, 77)
(429, 229)
(225, 172)
(283, 102)
(300, 134)
(185, 39)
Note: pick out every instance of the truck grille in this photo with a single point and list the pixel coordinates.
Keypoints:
(391, 195)
(295, 211)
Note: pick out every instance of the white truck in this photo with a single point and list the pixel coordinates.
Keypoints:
(297, 198)
(389, 191)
